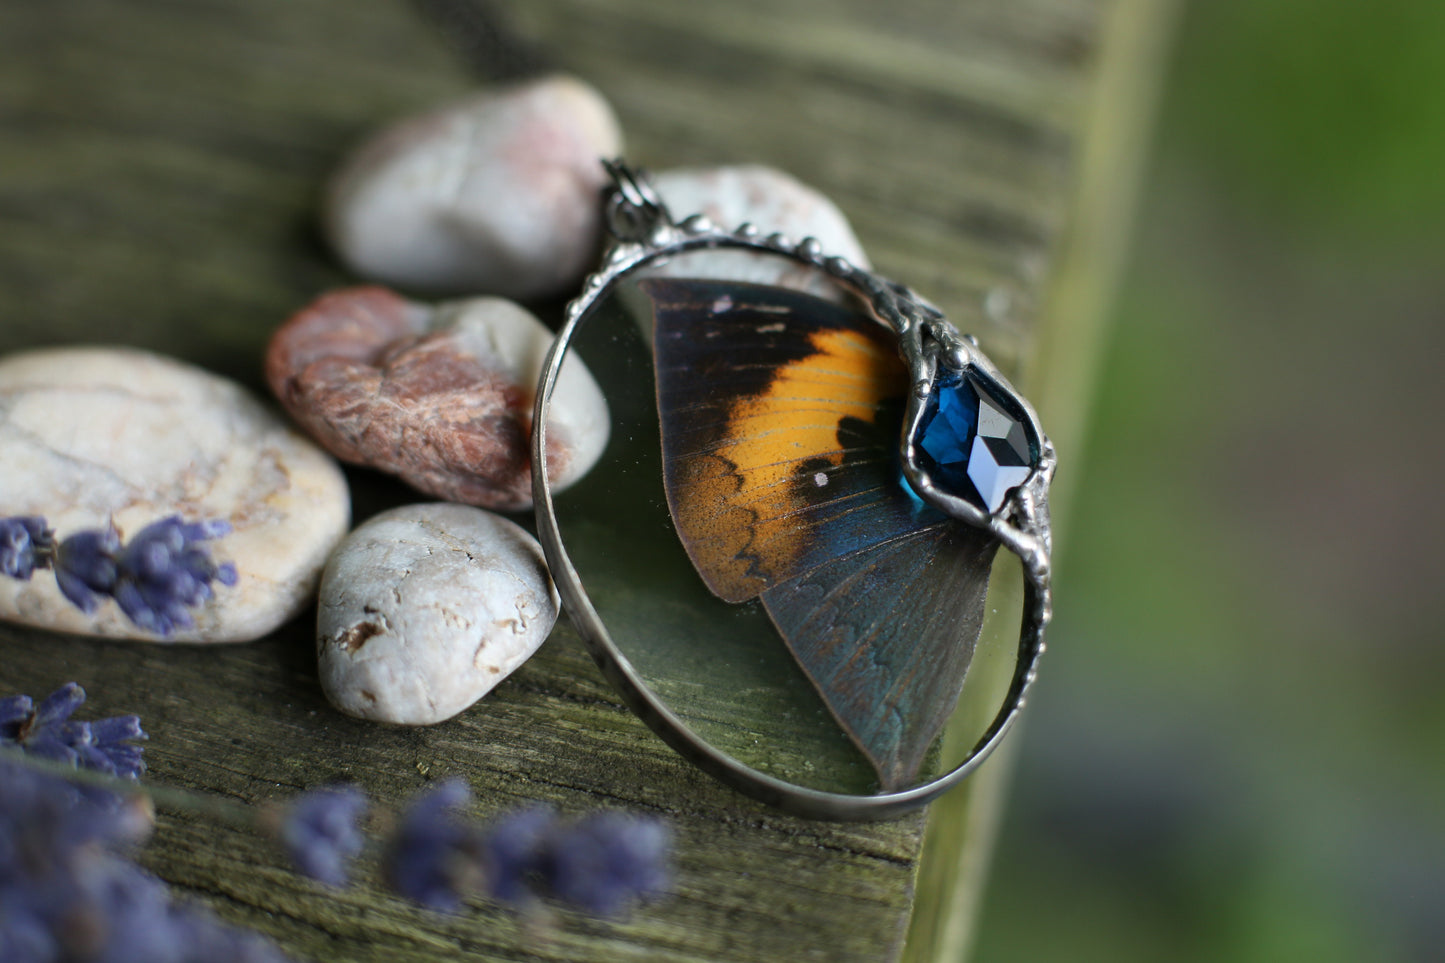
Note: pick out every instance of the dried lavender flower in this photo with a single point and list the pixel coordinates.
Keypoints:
(601, 863)
(69, 892)
(435, 857)
(515, 847)
(320, 833)
(154, 578)
(163, 570)
(25, 545)
(13, 710)
(47, 731)
(607, 860)
(104, 745)
(85, 566)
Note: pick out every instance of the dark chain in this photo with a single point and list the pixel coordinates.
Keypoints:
(487, 43)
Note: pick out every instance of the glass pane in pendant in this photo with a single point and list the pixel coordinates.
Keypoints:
(749, 542)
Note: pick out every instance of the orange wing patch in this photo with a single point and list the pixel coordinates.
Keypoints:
(739, 511)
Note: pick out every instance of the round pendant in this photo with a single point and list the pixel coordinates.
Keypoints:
(783, 558)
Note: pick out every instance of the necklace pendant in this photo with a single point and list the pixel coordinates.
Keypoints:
(834, 459)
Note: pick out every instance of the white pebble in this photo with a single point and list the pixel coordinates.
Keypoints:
(425, 608)
(88, 435)
(496, 194)
(773, 202)
(769, 199)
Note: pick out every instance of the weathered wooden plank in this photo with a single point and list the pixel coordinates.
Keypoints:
(159, 171)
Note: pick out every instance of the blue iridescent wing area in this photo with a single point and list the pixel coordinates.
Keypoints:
(887, 634)
(780, 416)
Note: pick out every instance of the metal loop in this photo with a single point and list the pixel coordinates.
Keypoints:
(634, 210)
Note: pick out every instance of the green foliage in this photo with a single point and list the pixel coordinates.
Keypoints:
(1233, 755)
(1326, 114)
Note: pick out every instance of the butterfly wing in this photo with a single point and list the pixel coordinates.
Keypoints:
(780, 416)
(887, 634)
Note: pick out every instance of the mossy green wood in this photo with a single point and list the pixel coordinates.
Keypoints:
(160, 171)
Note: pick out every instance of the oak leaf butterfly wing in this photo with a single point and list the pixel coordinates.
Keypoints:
(780, 415)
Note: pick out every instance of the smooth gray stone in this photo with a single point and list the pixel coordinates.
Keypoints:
(495, 194)
(425, 608)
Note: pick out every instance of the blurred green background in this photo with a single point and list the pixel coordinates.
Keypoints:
(1235, 748)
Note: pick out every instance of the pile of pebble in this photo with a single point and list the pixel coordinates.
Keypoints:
(424, 608)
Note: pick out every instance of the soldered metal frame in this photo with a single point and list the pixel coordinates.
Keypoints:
(646, 234)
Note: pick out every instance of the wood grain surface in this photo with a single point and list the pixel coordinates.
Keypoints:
(160, 166)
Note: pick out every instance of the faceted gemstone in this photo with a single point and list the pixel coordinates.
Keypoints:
(971, 446)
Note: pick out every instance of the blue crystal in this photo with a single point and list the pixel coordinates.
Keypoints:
(970, 443)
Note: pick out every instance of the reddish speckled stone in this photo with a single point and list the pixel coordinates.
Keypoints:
(440, 396)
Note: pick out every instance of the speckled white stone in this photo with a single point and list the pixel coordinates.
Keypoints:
(496, 194)
(425, 608)
(91, 434)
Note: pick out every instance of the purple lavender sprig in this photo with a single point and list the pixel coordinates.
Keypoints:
(435, 857)
(25, 544)
(601, 863)
(47, 732)
(321, 835)
(70, 891)
(516, 847)
(605, 861)
(164, 569)
(85, 566)
(155, 578)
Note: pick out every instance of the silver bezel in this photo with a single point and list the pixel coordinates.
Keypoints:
(645, 235)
